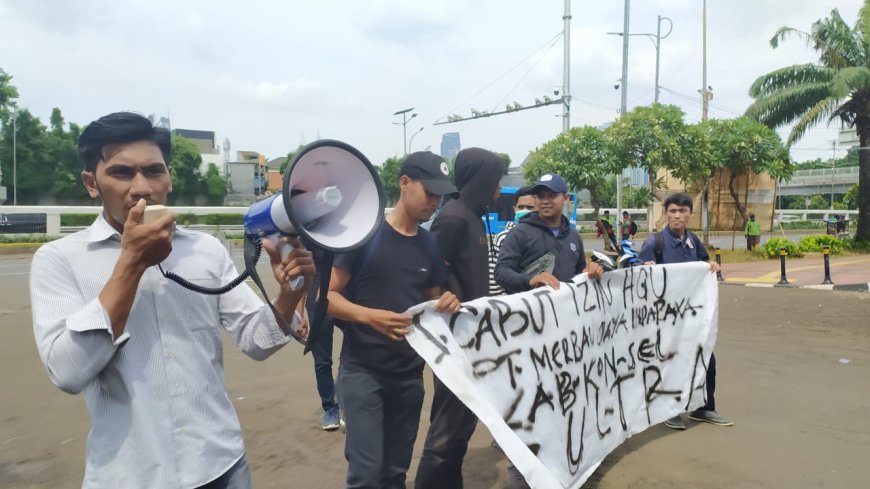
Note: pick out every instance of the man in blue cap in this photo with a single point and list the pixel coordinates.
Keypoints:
(543, 249)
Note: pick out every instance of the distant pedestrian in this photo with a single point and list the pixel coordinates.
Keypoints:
(753, 233)
(627, 226)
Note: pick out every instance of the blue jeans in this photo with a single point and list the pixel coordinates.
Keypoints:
(237, 477)
(321, 350)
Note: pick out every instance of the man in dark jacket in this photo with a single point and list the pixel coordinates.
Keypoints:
(464, 246)
(543, 249)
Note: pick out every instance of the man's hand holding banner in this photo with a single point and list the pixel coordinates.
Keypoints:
(563, 377)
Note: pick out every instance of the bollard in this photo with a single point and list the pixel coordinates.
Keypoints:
(782, 279)
(719, 262)
(826, 252)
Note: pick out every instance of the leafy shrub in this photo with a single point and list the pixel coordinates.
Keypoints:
(186, 219)
(77, 219)
(803, 225)
(772, 246)
(815, 243)
(856, 246)
(26, 238)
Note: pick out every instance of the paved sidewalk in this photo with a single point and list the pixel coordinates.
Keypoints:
(851, 270)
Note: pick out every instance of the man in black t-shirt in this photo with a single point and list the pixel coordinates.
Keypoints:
(381, 376)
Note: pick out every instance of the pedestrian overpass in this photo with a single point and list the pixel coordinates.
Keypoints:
(823, 181)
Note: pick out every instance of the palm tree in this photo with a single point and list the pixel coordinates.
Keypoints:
(837, 87)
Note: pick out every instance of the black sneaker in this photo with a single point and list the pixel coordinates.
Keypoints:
(711, 417)
(676, 423)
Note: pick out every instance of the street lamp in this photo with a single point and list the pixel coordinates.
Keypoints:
(411, 142)
(404, 123)
(14, 155)
(623, 108)
(656, 39)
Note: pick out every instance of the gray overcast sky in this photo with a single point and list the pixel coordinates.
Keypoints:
(267, 74)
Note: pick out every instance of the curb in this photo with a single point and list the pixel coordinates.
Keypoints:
(862, 287)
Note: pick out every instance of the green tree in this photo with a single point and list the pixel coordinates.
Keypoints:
(186, 177)
(8, 94)
(507, 161)
(850, 198)
(61, 148)
(742, 145)
(818, 202)
(582, 156)
(837, 87)
(649, 138)
(290, 156)
(388, 172)
(214, 185)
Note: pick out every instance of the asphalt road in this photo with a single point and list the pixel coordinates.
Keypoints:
(793, 370)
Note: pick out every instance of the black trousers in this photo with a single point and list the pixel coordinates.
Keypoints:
(711, 385)
(451, 426)
(382, 415)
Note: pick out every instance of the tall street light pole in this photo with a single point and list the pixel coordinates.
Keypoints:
(706, 96)
(658, 43)
(656, 39)
(623, 102)
(566, 81)
(404, 124)
(14, 156)
(411, 142)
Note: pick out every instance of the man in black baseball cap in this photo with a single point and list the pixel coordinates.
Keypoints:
(381, 376)
(430, 170)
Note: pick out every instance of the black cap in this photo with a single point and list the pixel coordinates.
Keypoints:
(431, 170)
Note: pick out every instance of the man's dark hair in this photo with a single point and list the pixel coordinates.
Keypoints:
(680, 199)
(120, 128)
(624, 213)
(607, 212)
(522, 192)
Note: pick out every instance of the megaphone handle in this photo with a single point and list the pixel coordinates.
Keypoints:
(284, 249)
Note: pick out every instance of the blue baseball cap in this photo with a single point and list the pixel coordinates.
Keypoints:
(550, 181)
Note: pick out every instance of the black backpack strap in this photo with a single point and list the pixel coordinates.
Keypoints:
(659, 248)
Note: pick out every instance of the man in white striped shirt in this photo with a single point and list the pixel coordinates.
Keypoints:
(524, 203)
(145, 352)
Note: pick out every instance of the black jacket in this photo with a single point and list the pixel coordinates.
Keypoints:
(532, 239)
(459, 229)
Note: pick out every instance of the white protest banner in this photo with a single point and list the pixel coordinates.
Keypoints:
(563, 377)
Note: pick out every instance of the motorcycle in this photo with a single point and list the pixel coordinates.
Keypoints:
(626, 257)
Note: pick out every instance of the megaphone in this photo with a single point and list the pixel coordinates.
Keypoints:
(331, 197)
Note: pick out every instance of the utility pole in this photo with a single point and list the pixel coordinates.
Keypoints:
(833, 164)
(404, 123)
(14, 156)
(706, 95)
(623, 102)
(566, 81)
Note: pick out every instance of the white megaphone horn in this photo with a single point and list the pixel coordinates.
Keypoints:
(332, 198)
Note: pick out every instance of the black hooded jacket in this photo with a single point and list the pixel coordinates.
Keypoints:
(531, 239)
(459, 229)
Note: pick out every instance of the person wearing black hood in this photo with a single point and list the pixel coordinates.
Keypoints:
(462, 239)
(543, 249)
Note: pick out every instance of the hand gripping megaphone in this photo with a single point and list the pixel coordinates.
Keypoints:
(331, 197)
